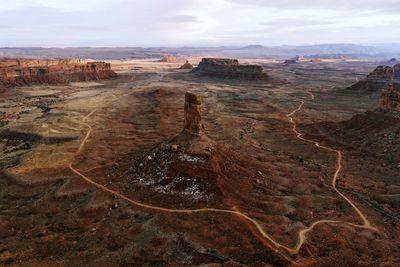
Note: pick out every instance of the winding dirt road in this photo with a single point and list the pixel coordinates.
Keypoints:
(283, 250)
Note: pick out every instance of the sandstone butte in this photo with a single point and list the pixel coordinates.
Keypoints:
(186, 66)
(18, 72)
(169, 59)
(192, 109)
(229, 68)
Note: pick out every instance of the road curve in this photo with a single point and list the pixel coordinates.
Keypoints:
(282, 250)
(366, 224)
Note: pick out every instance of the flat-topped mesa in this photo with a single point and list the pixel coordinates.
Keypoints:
(14, 72)
(390, 98)
(229, 68)
(193, 124)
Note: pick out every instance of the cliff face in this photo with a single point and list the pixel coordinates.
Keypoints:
(16, 72)
(193, 124)
(390, 98)
(396, 74)
(377, 80)
(229, 68)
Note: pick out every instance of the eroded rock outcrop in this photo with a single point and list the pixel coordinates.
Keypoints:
(396, 73)
(193, 124)
(229, 68)
(377, 80)
(290, 61)
(186, 66)
(390, 98)
(381, 73)
(16, 72)
(190, 169)
(169, 59)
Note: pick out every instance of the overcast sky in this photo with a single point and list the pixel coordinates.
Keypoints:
(64, 23)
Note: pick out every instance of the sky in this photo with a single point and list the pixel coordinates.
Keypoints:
(65, 23)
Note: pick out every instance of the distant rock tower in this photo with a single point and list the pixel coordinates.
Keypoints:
(193, 124)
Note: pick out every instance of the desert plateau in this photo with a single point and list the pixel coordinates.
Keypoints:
(297, 168)
(199, 133)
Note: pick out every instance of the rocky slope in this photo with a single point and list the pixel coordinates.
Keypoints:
(16, 72)
(376, 131)
(229, 68)
(185, 169)
(189, 170)
(371, 140)
(376, 81)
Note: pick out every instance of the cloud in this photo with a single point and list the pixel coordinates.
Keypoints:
(296, 22)
(195, 22)
(355, 5)
(183, 19)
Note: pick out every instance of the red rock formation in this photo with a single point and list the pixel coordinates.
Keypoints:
(229, 68)
(376, 81)
(193, 124)
(396, 70)
(390, 98)
(15, 72)
(186, 66)
(168, 59)
(290, 61)
(299, 58)
(382, 73)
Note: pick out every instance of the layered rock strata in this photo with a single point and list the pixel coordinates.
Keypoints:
(377, 80)
(390, 98)
(193, 120)
(17, 72)
(229, 68)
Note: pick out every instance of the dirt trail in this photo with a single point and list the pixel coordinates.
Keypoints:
(283, 250)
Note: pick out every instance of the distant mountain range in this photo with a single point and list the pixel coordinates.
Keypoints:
(376, 51)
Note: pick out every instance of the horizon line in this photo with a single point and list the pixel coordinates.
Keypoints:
(197, 46)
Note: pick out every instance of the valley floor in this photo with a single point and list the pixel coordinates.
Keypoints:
(65, 152)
